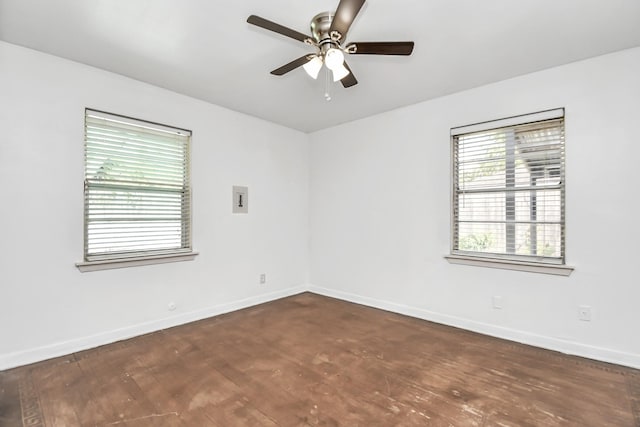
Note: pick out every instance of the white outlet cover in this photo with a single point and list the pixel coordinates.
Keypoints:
(584, 313)
(497, 302)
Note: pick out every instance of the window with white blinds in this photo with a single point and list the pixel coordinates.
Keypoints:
(508, 188)
(137, 190)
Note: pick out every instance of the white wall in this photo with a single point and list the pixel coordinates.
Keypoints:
(47, 306)
(373, 196)
(380, 216)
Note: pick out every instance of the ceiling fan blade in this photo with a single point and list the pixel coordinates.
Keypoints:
(350, 79)
(345, 14)
(381, 48)
(277, 28)
(292, 65)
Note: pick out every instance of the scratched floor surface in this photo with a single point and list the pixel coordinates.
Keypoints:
(308, 360)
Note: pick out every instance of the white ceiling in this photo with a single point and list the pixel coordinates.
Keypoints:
(205, 48)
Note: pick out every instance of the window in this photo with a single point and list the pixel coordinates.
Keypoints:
(508, 189)
(137, 191)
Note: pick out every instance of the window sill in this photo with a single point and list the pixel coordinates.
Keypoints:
(87, 266)
(532, 267)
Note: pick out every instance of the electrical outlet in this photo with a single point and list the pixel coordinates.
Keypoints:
(497, 302)
(263, 278)
(584, 313)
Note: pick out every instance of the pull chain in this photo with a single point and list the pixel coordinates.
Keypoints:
(327, 85)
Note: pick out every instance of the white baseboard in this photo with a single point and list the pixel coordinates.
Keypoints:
(549, 343)
(12, 360)
(20, 358)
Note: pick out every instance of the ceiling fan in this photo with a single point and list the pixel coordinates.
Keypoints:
(329, 32)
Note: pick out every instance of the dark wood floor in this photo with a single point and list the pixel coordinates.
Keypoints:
(308, 360)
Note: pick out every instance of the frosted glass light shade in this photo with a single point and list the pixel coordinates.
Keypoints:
(340, 73)
(334, 58)
(313, 67)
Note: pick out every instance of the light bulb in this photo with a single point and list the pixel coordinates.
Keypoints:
(313, 67)
(340, 73)
(334, 58)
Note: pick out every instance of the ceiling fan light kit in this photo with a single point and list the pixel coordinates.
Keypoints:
(329, 31)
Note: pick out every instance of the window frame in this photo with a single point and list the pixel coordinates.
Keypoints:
(137, 256)
(531, 263)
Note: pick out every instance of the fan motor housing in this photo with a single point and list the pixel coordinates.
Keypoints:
(320, 25)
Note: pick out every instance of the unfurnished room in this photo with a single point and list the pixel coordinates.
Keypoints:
(319, 213)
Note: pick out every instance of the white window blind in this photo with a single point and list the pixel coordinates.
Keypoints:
(137, 190)
(508, 188)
